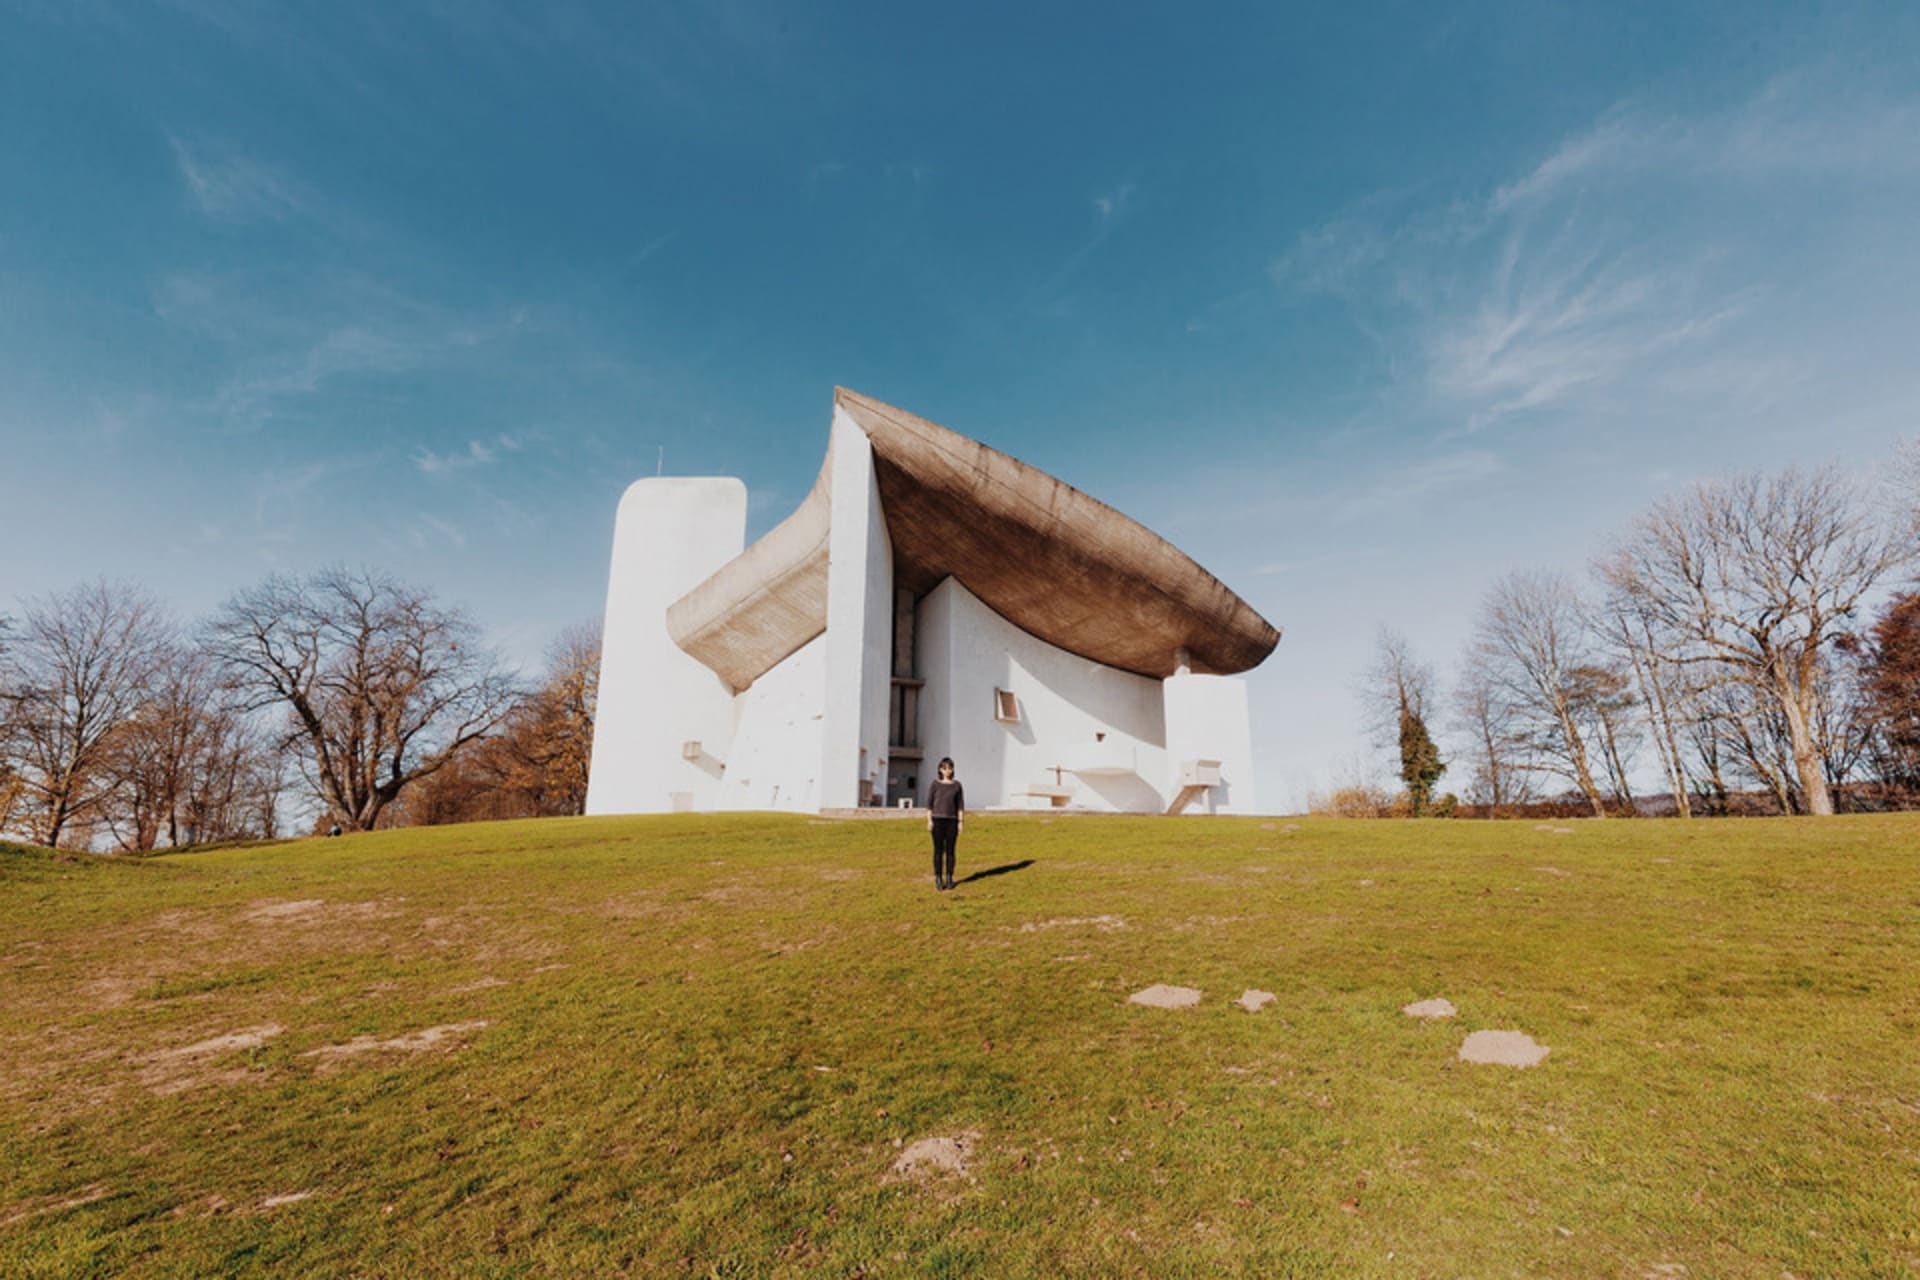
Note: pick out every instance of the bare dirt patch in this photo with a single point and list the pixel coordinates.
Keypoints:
(111, 992)
(190, 1066)
(1503, 1048)
(1214, 922)
(1437, 1007)
(1162, 996)
(291, 1197)
(752, 897)
(1254, 1001)
(1553, 871)
(330, 1057)
(250, 1038)
(933, 1158)
(311, 911)
(40, 1205)
(192, 923)
(280, 909)
(1105, 924)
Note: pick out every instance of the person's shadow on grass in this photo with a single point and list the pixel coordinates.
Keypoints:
(1000, 870)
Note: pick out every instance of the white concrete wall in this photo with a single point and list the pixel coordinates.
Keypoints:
(669, 535)
(777, 736)
(967, 651)
(859, 636)
(1207, 719)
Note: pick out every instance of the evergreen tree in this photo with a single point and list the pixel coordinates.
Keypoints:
(1420, 763)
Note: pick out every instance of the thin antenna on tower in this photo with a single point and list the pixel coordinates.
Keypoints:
(660, 468)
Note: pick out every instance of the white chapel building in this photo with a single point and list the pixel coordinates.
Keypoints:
(931, 597)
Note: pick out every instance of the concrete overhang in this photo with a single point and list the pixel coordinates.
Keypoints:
(1056, 563)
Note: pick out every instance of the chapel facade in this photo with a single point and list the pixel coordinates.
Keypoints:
(930, 597)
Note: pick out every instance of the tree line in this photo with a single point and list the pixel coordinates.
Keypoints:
(345, 699)
(1726, 643)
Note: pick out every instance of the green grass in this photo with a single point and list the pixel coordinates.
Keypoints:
(705, 1040)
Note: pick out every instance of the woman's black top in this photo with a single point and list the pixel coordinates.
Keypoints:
(946, 799)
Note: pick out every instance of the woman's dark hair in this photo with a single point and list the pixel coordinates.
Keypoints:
(946, 762)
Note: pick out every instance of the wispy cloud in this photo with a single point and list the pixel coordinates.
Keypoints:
(1114, 203)
(478, 453)
(284, 494)
(1556, 320)
(1110, 210)
(1407, 487)
(446, 531)
(227, 184)
(1797, 128)
(347, 352)
(1299, 564)
(1625, 271)
(290, 336)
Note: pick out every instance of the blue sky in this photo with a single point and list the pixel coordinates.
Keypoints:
(1360, 305)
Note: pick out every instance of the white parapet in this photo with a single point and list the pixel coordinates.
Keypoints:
(1209, 741)
(654, 699)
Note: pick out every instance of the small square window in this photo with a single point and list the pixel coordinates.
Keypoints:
(1006, 707)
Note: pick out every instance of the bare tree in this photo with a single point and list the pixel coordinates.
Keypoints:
(1664, 696)
(1603, 699)
(568, 702)
(1497, 749)
(12, 785)
(185, 768)
(382, 686)
(82, 668)
(535, 764)
(1902, 487)
(10, 782)
(264, 786)
(1531, 642)
(1397, 682)
(1883, 690)
(1707, 755)
(1751, 578)
(149, 757)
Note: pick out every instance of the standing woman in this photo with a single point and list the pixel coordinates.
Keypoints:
(946, 809)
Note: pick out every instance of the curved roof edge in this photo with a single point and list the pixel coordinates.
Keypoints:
(1053, 561)
(766, 602)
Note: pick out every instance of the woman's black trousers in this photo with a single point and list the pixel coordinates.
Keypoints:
(946, 834)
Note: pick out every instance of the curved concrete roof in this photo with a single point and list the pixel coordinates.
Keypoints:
(765, 602)
(1051, 560)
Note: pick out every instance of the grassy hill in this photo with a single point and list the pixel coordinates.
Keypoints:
(763, 1046)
